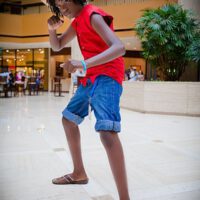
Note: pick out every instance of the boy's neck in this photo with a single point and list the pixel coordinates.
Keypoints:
(79, 9)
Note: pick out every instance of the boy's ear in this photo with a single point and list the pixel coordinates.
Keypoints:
(45, 2)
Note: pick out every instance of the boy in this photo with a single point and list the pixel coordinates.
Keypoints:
(101, 87)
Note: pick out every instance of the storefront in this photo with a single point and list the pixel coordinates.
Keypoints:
(26, 62)
(56, 72)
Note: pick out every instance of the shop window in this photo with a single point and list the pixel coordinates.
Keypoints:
(8, 60)
(1, 59)
(26, 62)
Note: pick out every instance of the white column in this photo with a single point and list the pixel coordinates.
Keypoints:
(49, 71)
(76, 55)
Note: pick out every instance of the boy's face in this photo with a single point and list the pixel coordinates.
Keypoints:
(68, 8)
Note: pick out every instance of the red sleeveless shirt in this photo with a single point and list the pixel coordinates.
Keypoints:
(91, 44)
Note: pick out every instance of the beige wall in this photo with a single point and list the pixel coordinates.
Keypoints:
(125, 15)
(191, 4)
(36, 24)
(11, 24)
(182, 98)
(26, 25)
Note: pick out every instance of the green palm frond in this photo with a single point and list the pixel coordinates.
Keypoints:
(167, 36)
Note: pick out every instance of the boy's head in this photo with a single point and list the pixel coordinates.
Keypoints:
(65, 7)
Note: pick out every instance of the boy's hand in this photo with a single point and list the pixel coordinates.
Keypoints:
(72, 65)
(54, 22)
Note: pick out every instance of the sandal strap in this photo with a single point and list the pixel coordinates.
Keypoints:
(68, 178)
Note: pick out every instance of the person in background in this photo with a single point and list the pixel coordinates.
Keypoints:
(9, 77)
(141, 76)
(127, 72)
(38, 78)
(133, 74)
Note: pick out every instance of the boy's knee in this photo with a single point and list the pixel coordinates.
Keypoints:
(107, 138)
(64, 121)
(68, 123)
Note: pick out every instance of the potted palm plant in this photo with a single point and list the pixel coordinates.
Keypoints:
(167, 35)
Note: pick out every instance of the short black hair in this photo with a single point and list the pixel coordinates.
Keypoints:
(54, 9)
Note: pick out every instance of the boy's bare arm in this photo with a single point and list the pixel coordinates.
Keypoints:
(59, 42)
(116, 47)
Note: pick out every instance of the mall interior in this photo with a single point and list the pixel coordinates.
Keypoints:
(160, 120)
(24, 42)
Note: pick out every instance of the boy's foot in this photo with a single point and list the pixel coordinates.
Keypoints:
(67, 179)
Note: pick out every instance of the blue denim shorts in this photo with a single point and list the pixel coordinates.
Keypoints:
(103, 97)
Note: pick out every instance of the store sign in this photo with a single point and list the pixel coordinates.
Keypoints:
(11, 67)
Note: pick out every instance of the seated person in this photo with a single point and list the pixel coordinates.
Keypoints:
(133, 74)
(141, 76)
(5, 74)
(9, 78)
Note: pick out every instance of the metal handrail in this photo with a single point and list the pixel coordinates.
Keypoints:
(115, 2)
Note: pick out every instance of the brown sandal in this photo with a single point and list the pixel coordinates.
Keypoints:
(67, 179)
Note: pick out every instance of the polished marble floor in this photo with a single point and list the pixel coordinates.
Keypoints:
(162, 154)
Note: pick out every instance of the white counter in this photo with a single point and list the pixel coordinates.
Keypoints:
(181, 98)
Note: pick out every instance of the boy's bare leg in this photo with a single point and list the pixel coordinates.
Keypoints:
(115, 154)
(74, 142)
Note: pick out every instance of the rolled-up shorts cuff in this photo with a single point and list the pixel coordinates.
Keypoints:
(107, 125)
(72, 117)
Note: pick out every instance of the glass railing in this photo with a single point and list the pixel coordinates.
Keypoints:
(39, 7)
(14, 8)
(115, 2)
